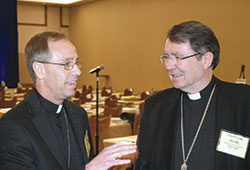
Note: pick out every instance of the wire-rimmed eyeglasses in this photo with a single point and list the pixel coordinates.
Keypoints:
(67, 66)
(177, 59)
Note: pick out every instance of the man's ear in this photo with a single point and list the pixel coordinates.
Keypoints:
(38, 69)
(207, 60)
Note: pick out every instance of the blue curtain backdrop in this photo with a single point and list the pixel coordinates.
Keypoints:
(8, 43)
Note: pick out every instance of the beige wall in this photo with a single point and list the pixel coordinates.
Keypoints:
(127, 36)
(30, 19)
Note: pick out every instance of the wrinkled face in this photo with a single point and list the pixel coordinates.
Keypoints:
(59, 83)
(188, 75)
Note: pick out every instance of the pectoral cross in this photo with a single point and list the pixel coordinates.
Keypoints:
(184, 166)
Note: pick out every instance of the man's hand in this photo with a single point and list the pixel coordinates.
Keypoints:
(112, 156)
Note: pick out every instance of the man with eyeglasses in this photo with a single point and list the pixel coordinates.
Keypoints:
(202, 123)
(46, 131)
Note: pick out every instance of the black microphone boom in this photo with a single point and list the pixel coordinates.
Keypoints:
(101, 67)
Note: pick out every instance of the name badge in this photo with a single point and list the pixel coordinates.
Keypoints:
(232, 144)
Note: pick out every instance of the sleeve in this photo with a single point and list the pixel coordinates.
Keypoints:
(142, 141)
(15, 150)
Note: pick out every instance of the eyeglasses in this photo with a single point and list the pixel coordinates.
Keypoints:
(176, 59)
(67, 66)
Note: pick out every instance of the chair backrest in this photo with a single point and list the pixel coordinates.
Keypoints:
(128, 92)
(2, 88)
(85, 98)
(145, 95)
(2, 92)
(111, 101)
(113, 111)
(77, 94)
(87, 89)
(8, 104)
(107, 91)
(22, 90)
(104, 123)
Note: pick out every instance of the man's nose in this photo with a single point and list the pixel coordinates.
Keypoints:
(76, 70)
(170, 63)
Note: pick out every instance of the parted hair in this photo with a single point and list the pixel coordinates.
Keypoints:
(201, 38)
(37, 49)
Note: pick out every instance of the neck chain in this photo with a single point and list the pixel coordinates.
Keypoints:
(184, 165)
(68, 137)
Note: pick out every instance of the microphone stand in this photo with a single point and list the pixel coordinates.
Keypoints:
(97, 114)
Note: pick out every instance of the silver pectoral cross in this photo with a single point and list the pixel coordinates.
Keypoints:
(184, 166)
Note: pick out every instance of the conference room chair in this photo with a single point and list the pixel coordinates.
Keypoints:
(128, 92)
(2, 88)
(8, 103)
(106, 91)
(111, 101)
(85, 98)
(87, 89)
(2, 92)
(77, 94)
(22, 90)
(145, 95)
(114, 111)
(103, 125)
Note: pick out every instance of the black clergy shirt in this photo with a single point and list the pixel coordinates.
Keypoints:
(59, 127)
(203, 152)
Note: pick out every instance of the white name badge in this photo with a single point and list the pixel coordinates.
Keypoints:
(241, 81)
(232, 144)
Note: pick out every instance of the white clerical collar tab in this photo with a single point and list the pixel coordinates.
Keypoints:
(59, 108)
(195, 96)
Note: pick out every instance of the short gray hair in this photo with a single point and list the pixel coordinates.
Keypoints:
(37, 49)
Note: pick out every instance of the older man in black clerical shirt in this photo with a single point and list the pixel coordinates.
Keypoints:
(202, 123)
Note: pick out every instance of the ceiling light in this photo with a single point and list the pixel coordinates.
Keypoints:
(54, 1)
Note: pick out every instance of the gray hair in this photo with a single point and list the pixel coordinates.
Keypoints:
(37, 49)
(201, 38)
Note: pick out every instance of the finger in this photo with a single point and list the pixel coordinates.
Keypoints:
(122, 146)
(124, 151)
(120, 162)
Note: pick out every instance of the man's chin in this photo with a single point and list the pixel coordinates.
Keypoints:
(178, 85)
(70, 93)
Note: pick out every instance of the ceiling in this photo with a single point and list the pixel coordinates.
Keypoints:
(57, 2)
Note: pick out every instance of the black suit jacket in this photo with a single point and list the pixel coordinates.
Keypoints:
(27, 141)
(158, 126)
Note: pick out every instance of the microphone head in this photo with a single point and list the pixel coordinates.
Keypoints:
(97, 69)
(101, 67)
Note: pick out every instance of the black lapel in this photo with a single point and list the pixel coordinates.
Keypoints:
(78, 126)
(43, 126)
(224, 120)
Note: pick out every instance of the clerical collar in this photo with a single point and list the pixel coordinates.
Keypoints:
(59, 108)
(195, 96)
(203, 92)
(48, 105)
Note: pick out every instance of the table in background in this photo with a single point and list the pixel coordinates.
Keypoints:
(118, 128)
(125, 139)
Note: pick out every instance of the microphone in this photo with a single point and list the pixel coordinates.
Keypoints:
(101, 67)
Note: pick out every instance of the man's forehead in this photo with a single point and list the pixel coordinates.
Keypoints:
(57, 43)
(62, 50)
(67, 58)
(176, 47)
